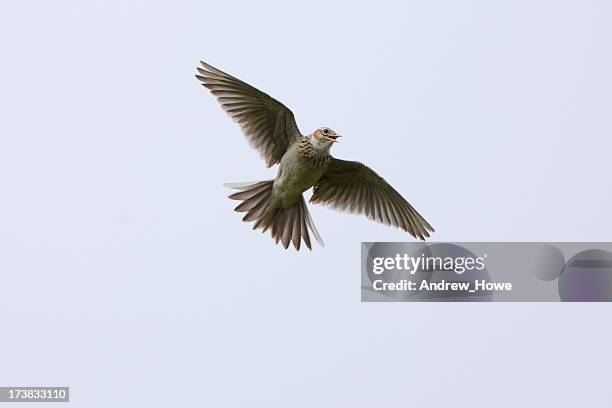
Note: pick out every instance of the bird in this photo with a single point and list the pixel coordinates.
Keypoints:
(304, 162)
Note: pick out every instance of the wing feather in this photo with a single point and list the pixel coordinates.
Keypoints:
(354, 187)
(268, 125)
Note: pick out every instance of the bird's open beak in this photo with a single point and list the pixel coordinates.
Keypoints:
(334, 138)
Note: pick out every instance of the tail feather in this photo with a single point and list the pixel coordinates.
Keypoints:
(296, 232)
(258, 199)
(246, 194)
(256, 211)
(303, 227)
(311, 225)
(242, 186)
(287, 226)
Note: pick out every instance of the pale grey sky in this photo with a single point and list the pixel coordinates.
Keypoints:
(127, 276)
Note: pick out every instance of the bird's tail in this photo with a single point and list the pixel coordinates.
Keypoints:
(286, 225)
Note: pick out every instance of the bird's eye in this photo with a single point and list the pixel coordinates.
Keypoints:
(325, 131)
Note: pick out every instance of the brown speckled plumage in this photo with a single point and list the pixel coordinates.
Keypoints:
(304, 162)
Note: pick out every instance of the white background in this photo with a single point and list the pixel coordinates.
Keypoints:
(127, 276)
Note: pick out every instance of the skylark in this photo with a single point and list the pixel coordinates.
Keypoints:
(304, 162)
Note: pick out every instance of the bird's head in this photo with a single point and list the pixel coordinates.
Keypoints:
(323, 138)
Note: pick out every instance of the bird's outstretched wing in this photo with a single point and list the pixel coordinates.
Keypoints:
(268, 124)
(354, 187)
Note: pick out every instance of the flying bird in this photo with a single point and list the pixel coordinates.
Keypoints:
(304, 162)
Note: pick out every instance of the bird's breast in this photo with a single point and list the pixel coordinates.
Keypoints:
(296, 174)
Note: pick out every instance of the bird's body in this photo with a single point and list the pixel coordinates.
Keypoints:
(299, 169)
(304, 162)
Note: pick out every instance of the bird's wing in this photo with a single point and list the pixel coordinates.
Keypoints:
(268, 124)
(354, 187)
